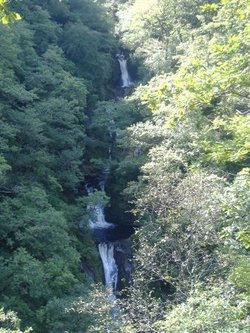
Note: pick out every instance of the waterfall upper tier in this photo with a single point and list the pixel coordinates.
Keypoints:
(126, 80)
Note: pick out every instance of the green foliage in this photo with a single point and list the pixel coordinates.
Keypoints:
(87, 53)
(42, 253)
(192, 197)
(45, 89)
(182, 164)
(6, 15)
(10, 323)
(107, 120)
(236, 149)
(154, 30)
(215, 310)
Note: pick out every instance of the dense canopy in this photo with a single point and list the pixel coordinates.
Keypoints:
(180, 142)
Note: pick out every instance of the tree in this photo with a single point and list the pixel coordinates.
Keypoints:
(9, 321)
(43, 111)
(188, 199)
(6, 15)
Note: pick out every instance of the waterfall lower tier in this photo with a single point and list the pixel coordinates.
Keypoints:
(114, 249)
(106, 251)
(98, 226)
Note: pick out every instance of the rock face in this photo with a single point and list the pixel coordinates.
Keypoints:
(112, 232)
(123, 258)
(117, 236)
(88, 270)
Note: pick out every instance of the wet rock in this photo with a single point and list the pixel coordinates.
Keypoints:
(123, 258)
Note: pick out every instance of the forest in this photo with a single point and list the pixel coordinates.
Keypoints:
(171, 147)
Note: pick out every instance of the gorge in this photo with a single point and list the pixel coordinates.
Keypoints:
(110, 237)
(117, 116)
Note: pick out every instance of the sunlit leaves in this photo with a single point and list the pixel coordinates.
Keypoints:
(10, 322)
(154, 29)
(234, 144)
(191, 199)
(6, 15)
(215, 310)
(240, 274)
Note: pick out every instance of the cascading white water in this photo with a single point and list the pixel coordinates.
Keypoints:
(106, 249)
(126, 81)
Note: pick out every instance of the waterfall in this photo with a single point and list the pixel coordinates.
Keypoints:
(126, 81)
(105, 248)
(106, 251)
(102, 231)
